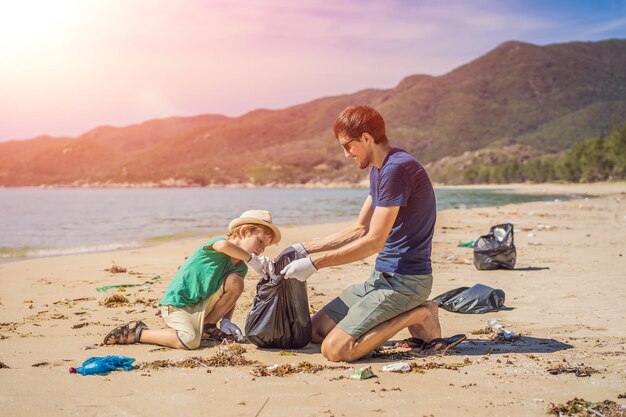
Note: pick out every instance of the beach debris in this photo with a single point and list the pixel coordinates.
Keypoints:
(191, 362)
(115, 269)
(467, 244)
(4, 366)
(71, 303)
(122, 286)
(400, 367)
(289, 369)
(116, 300)
(226, 355)
(502, 334)
(363, 373)
(91, 346)
(103, 365)
(579, 407)
(579, 371)
(422, 368)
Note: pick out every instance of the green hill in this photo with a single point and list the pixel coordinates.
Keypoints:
(519, 100)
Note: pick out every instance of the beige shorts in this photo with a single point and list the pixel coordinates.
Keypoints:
(188, 321)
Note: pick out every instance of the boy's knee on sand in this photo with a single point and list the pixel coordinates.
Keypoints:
(234, 283)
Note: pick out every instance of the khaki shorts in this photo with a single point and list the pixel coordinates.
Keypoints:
(188, 321)
(385, 295)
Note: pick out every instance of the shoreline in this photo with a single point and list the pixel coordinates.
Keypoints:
(7, 254)
(565, 298)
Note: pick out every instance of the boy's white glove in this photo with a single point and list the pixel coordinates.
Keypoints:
(300, 269)
(259, 264)
(231, 328)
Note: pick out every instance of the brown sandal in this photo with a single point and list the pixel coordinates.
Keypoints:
(121, 333)
(212, 332)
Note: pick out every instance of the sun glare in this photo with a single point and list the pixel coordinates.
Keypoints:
(30, 24)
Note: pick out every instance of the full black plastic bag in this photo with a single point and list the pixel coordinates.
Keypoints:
(495, 250)
(279, 317)
(477, 299)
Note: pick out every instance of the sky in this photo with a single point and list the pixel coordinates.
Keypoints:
(68, 66)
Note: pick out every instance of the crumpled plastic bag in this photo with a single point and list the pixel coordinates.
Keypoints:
(496, 249)
(279, 316)
(477, 299)
(103, 365)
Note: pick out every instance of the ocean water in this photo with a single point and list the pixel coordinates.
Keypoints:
(41, 222)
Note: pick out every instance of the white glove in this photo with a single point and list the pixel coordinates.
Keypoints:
(299, 269)
(299, 247)
(296, 247)
(259, 264)
(231, 328)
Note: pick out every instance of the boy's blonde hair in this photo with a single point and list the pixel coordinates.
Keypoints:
(246, 229)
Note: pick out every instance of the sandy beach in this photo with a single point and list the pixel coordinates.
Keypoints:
(565, 298)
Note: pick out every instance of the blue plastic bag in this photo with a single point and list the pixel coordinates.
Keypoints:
(104, 365)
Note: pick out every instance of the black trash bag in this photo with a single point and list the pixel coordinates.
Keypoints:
(477, 299)
(496, 249)
(279, 317)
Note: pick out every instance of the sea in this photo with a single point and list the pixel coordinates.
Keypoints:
(37, 222)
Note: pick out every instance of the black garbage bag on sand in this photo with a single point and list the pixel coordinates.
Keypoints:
(279, 317)
(496, 249)
(477, 299)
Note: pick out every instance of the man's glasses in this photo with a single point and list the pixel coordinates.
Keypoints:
(345, 144)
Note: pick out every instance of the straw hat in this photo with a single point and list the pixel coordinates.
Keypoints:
(256, 217)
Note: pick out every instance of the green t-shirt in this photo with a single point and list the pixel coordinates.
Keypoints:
(201, 276)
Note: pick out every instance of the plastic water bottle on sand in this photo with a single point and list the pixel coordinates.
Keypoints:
(497, 327)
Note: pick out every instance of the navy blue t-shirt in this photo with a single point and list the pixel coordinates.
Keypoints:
(403, 181)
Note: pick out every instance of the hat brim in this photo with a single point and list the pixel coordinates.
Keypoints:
(252, 220)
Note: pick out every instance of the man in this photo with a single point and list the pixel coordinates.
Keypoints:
(397, 220)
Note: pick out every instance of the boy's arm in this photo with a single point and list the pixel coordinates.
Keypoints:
(347, 235)
(232, 250)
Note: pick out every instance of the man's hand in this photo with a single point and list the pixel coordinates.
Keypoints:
(259, 264)
(300, 269)
(231, 328)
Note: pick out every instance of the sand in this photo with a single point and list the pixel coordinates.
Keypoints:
(566, 297)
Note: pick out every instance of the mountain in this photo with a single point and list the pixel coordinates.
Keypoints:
(519, 96)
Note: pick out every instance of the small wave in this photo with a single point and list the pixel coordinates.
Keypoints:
(21, 253)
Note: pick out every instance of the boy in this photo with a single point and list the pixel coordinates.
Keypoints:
(207, 286)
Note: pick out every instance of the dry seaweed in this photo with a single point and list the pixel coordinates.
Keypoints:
(486, 330)
(115, 300)
(226, 355)
(395, 354)
(3, 365)
(578, 407)
(191, 362)
(116, 269)
(287, 369)
(421, 368)
(580, 371)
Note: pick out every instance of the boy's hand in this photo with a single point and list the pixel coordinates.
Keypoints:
(231, 328)
(300, 269)
(259, 264)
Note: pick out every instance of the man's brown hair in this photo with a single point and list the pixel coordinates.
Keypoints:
(359, 119)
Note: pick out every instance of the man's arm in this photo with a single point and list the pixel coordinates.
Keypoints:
(373, 241)
(347, 235)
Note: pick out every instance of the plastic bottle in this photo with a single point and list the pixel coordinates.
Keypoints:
(104, 365)
(497, 327)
